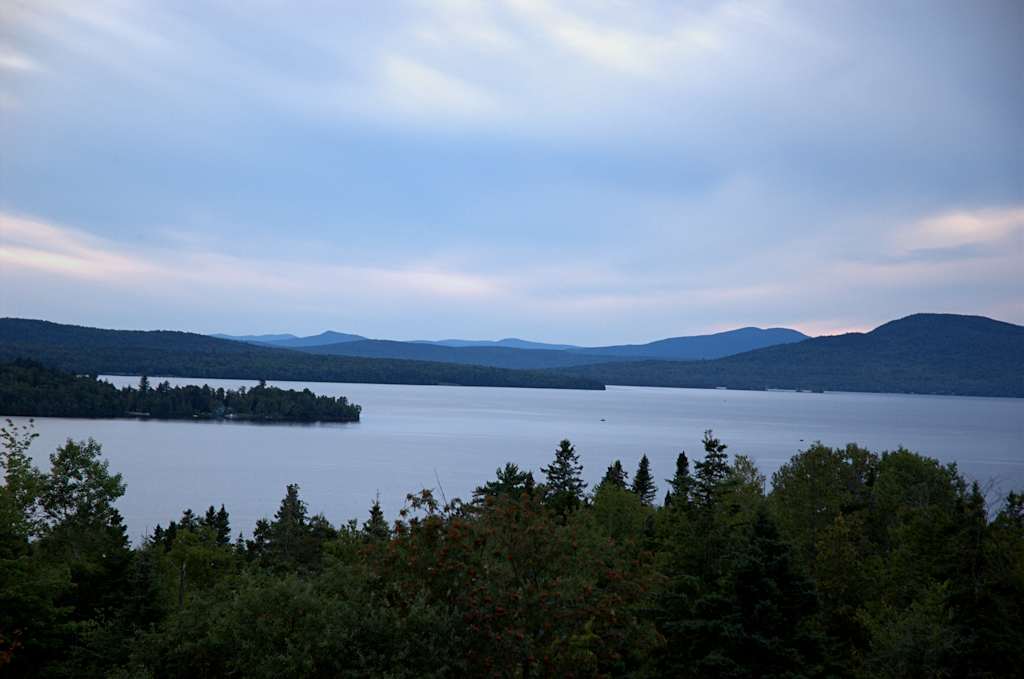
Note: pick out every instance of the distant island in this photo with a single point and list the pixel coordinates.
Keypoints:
(30, 389)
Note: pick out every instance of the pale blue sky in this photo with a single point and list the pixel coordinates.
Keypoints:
(587, 172)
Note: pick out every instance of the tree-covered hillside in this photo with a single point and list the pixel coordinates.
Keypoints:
(128, 352)
(521, 355)
(30, 389)
(925, 353)
(855, 564)
(699, 347)
(498, 357)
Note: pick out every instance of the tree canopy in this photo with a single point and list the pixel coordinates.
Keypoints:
(854, 563)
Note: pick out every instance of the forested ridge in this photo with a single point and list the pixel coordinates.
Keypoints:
(538, 357)
(97, 351)
(855, 564)
(923, 354)
(30, 389)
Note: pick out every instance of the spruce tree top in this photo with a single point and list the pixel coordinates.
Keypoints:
(643, 483)
(564, 478)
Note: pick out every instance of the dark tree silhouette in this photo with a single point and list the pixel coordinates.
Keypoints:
(643, 483)
(564, 483)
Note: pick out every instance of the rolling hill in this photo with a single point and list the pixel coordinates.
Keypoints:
(255, 339)
(289, 341)
(325, 338)
(923, 353)
(494, 356)
(701, 347)
(170, 353)
(509, 342)
(524, 355)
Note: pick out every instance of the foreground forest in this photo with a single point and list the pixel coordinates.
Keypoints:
(854, 564)
(30, 389)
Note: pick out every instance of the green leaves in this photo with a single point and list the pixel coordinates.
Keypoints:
(79, 490)
(853, 564)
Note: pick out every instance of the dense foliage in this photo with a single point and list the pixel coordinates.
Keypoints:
(181, 354)
(855, 565)
(28, 388)
(923, 354)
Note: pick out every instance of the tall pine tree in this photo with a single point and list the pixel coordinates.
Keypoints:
(376, 527)
(681, 483)
(218, 520)
(287, 534)
(616, 475)
(643, 483)
(712, 472)
(564, 484)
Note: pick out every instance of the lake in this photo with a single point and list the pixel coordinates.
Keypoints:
(453, 438)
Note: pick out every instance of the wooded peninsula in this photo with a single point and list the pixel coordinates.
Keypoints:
(30, 389)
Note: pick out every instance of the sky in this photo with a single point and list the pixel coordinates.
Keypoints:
(587, 172)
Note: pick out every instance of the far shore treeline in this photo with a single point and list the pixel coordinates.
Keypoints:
(946, 354)
(854, 564)
(30, 389)
(96, 351)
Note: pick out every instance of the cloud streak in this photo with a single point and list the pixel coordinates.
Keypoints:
(570, 303)
(576, 171)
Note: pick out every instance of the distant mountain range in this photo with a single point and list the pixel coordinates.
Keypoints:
(522, 354)
(508, 342)
(702, 347)
(292, 341)
(923, 353)
(170, 353)
(255, 339)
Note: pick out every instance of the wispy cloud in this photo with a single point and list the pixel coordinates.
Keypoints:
(17, 63)
(414, 90)
(964, 228)
(59, 251)
(580, 171)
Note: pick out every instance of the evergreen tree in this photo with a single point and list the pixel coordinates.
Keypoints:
(218, 521)
(510, 481)
(1012, 513)
(223, 526)
(643, 483)
(564, 479)
(376, 527)
(681, 483)
(774, 602)
(616, 475)
(712, 472)
(188, 520)
(286, 536)
(318, 531)
(209, 517)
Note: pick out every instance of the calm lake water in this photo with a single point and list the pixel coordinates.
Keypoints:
(412, 437)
